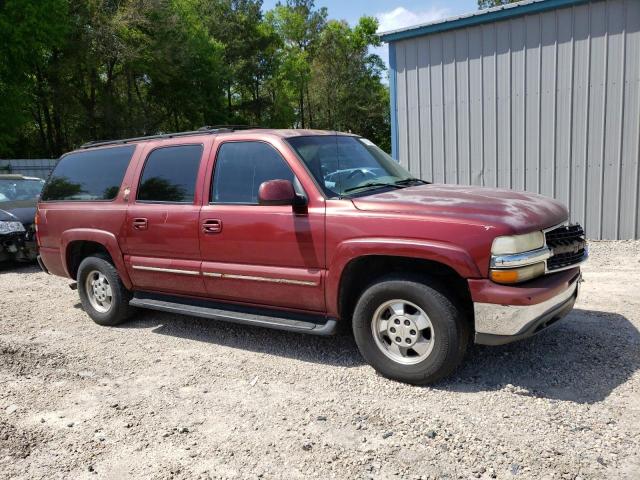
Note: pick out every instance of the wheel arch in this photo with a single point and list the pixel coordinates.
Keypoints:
(363, 271)
(358, 263)
(78, 244)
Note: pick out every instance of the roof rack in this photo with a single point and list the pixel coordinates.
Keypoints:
(231, 127)
(203, 130)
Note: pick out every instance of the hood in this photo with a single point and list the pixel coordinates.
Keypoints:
(514, 212)
(23, 210)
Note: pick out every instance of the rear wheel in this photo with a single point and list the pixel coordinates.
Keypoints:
(410, 329)
(103, 296)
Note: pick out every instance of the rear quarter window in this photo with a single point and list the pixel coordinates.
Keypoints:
(89, 175)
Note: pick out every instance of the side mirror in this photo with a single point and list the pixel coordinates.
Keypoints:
(279, 192)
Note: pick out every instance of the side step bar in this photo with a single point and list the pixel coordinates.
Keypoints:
(279, 320)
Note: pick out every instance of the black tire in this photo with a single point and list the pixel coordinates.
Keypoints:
(450, 327)
(119, 310)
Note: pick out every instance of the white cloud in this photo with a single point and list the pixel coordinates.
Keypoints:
(401, 17)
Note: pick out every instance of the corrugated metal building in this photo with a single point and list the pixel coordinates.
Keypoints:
(33, 167)
(540, 95)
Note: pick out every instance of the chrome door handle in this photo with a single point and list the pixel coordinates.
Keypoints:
(140, 223)
(212, 226)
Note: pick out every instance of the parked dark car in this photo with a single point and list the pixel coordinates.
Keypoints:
(18, 199)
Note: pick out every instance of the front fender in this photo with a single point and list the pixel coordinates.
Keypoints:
(447, 254)
(107, 239)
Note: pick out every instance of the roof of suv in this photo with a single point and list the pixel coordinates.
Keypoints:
(206, 131)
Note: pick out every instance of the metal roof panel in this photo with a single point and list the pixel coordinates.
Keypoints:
(494, 14)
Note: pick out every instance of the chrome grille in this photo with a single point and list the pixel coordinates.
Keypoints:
(568, 246)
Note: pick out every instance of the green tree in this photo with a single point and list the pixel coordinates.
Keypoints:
(299, 25)
(32, 32)
(482, 4)
(347, 91)
(79, 70)
(249, 53)
(183, 68)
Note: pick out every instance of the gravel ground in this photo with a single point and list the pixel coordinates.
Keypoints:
(167, 396)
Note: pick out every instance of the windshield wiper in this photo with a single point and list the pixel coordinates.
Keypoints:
(373, 184)
(409, 181)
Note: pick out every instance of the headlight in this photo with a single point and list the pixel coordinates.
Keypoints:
(10, 227)
(517, 243)
(518, 258)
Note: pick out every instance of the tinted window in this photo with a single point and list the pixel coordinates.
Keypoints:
(240, 169)
(89, 175)
(170, 174)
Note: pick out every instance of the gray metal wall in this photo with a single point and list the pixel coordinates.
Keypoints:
(33, 167)
(548, 103)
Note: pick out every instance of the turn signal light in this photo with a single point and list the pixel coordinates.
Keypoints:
(517, 275)
(504, 276)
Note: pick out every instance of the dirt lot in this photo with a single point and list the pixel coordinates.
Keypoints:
(175, 397)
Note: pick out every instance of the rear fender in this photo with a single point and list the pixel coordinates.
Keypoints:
(106, 239)
(445, 253)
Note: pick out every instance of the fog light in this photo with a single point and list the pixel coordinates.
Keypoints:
(517, 275)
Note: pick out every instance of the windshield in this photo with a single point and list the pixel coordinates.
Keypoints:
(344, 165)
(12, 190)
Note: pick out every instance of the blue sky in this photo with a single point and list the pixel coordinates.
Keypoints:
(392, 14)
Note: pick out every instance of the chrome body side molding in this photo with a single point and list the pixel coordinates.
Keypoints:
(255, 278)
(165, 270)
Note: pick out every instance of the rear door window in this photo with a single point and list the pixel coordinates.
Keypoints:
(170, 174)
(89, 175)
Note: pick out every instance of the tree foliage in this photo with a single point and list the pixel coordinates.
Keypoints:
(482, 4)
(79, 70)
(345, 82)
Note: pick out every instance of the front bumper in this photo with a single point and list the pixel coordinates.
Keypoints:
(17, 246)
(497, 323)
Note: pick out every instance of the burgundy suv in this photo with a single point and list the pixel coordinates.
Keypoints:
(300, 230)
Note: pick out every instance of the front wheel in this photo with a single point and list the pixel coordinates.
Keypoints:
(410, 329)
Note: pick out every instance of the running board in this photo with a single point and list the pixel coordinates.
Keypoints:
(279, 320)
